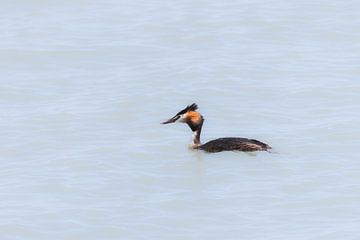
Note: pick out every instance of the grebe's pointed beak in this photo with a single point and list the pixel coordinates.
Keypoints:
(171, 120)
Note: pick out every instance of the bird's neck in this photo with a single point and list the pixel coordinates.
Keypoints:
(195, 141)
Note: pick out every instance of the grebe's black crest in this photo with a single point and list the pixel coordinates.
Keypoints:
(195, 121)
(192, 107)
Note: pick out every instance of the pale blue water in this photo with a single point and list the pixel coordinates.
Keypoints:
(85, 85)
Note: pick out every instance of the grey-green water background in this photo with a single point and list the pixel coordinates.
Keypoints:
(85, 85)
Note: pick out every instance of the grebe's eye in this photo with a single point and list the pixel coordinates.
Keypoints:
(181, 117)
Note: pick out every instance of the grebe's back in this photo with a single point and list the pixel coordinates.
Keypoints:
(234, 144)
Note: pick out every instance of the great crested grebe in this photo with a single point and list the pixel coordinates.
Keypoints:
(195, 121)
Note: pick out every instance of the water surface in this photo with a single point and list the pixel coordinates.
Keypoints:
(85, 85)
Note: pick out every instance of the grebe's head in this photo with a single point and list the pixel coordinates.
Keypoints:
(188, 115)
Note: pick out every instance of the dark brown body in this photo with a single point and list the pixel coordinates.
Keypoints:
(234, 144)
